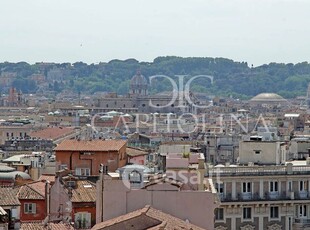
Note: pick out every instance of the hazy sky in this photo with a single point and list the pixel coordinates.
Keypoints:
(256, 31)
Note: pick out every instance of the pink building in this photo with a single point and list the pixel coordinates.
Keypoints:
(195, 204)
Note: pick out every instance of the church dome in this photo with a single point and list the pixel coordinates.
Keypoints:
(268, 97)
(138, 85)
(138, 80)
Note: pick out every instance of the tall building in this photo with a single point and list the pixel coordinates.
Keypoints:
(264, 193)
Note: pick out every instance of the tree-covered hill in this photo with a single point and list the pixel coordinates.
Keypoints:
(230, 78)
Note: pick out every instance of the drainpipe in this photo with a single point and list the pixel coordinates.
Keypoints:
(101, 176)
(47, 199)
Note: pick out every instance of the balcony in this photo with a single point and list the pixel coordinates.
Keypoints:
(258, 170)
(301, 224)
(301, 195)
(268, 196)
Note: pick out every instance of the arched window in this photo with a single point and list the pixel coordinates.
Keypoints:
(135, 177)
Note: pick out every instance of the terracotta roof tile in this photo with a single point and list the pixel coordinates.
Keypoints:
(85, 192)
(94, 145)
(8, 197)
(47, 177)
(52, 133)
(32, 191)
(49, 226)
(134, 152)
(146, 218)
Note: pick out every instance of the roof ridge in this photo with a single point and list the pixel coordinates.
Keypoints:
(43, 196)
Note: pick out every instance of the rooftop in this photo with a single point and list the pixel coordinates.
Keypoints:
(8, 197)
(84, 192)
(93, 145)
(268, 97)
(32, 191)
(49, 226)
(52, 133)
(146, 218)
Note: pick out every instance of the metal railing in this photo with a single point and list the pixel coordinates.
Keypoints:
(258, 170)
(267, 196)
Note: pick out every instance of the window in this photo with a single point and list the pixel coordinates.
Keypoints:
(273, 186)
(219, 214)
(135, 177)
(303, 185)
(274, 212)
(30, 208)
(290, 186)
(246, 187)
(301, 211)
(82, 220)
(247, 213)
(219, 187)
(257, 151)
(82, 171)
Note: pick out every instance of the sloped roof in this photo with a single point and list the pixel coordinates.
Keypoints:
(52, 133)
(93, 145)
(15, 158)
(8, 197)
(32, 191)
(146, 218)
(134, 152)
(162, 180)
(85, 192)
(49, 226)
(47, 177)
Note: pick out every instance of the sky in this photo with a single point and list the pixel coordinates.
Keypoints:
(92, 31)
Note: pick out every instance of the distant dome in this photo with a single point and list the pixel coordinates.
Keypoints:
(138, 85)
(138, 80)
(268, 97)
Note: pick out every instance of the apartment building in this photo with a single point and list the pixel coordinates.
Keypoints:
(263, 197)
(182, 192)
(85, 156)
(262, 152)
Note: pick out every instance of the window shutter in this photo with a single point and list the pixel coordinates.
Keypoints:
(88, 219)
(34, 208)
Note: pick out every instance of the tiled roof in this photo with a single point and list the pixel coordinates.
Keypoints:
(8, 197)
(49, 226)
(47, 177)
(52, 133)
(146, 218)
(32, 191)
(84, 192)
(133, 152)
(93, 145)
(162, 180)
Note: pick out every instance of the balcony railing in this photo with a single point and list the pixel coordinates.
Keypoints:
(301, 221)
(259, 170)
(268, 196)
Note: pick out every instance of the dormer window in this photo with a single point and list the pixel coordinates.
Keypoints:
(135, 177)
